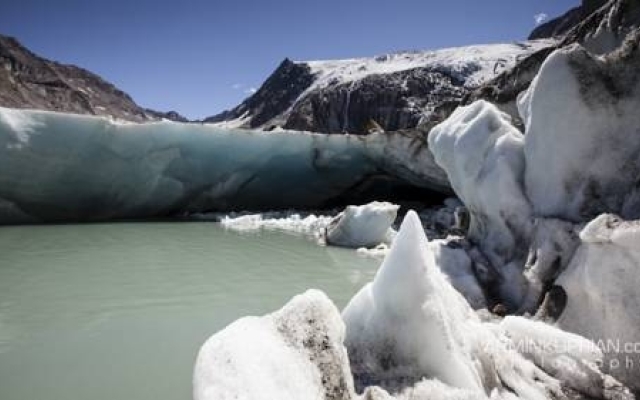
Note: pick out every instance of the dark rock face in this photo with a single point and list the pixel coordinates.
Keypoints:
(564, 23)
(560, 25)
(30, 81)
(392, 101)
(590, 6)
(606, 29)
(278, 93)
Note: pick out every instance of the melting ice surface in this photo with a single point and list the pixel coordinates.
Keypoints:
(118, 311)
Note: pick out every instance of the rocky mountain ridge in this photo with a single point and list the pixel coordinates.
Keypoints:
(359, 96)
(600, 32)
(30, 81)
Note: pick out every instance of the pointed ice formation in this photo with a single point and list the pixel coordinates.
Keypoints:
(411, 332)
(406, 324)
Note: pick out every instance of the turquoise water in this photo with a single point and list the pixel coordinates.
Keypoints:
(118, 311)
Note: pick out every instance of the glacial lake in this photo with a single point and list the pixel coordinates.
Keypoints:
(119, 311)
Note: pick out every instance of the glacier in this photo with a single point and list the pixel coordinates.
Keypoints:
(62, 167)
(408, 295)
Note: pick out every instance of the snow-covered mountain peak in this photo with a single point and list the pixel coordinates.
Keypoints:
(392, 91)
(473, 64)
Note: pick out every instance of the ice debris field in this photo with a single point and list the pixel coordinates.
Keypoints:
(558, 251)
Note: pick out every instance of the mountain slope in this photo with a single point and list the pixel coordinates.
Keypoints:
(416, 90)
(393, 91)
(30, 81)
(278, 92)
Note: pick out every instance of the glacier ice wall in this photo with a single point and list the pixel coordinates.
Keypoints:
(65, 167)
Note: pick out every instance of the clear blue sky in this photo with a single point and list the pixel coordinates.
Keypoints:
(200, 57)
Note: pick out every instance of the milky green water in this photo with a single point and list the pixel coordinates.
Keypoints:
(118, 311)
